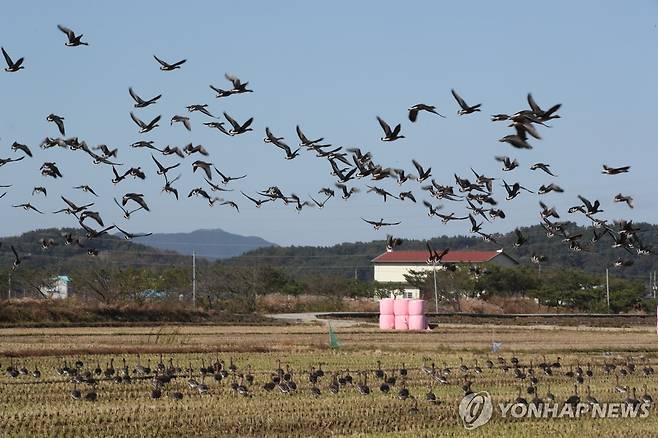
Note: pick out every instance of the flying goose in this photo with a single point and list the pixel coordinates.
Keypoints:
(141, 103)
(236, 127)
(407, 195)
(304, 141)
(389, 135)
(381, 192)
(258, 202)
(380, 223)
(135, 197)
(73, 39)
(50, 169)
(41, 190)
(238, 86)
(86, 189)
(169, 67)
(433, 211)
(203, 166)
(548, 212)
(217, 125)
(592, 208)
(271, 138)
(168, 186)
(200, 108)
(18, 146)
(549, 188)
(162, 170)
(12, 67)
(422, 173)
(216, 187)
(228, 179)
(445, 218)
(622, 198)
(58, 120)
(4, 161)
(220, 92)
(127, 213)
(475, 227)
(464, 107)
(327, 192)
(182, 119)
(145, 127)
(392, 242)
(542, 166)
(231, 204)
(514, 190)
(107, 152)
(347, 193)
(508, 163)
(130, 236)
(91, 215)
(414, 110)
(615, 170)
(173, 150)
(543, 115)
(520, 238)
(27, 207)
(189, 149)
(516, 141)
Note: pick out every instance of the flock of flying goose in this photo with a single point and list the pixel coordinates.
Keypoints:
(472, 195)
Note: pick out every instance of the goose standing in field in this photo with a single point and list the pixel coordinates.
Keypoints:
(75, 392)
(574, 398)
(589, 398)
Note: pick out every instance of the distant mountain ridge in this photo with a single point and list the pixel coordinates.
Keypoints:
(212, 244)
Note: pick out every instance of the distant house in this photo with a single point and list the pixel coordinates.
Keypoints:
(391, 267)
(58, 289)
(151, 294)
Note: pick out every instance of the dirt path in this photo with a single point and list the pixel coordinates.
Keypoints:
(312, 318)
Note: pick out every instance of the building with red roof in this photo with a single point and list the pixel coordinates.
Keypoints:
(390, 267)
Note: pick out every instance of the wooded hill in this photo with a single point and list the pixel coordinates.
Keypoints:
(348, 258)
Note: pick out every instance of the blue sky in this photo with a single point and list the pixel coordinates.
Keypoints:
(332, 67)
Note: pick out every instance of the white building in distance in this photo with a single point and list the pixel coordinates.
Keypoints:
(58, 289)
(390, 267)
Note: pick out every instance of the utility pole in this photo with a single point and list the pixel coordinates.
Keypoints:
(9, 287)
(436, 295)
(194, 279)
(607, 288)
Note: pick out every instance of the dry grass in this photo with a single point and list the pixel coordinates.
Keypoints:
(44, 409)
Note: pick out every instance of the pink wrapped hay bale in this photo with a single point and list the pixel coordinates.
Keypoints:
(401, 322)
(386, 322)
(417, 322)
(401, 307)
(417, 307)
(386, 306)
